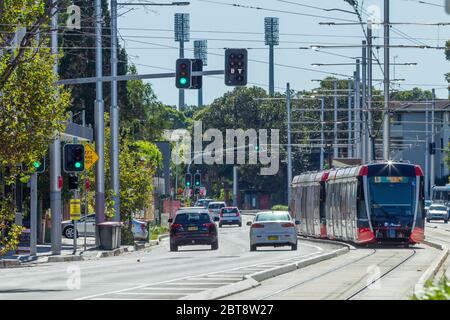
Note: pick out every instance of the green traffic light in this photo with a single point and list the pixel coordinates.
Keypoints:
(36, 164)
(78, 165)
(183, 81)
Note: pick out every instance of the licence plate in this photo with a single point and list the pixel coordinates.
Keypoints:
(192, 228)
(391, 233)
(272, 237)
(229, 215)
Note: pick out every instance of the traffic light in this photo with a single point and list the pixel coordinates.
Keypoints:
(73, 182)
(432, 147)
(188, 180)
(197, 66)
(236, 61)
(39, 166)
(183, 75)
(197, 180)
(74, 158)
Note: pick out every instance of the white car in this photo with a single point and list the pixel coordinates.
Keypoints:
(437, 212)
(214, 208)
(274, 229)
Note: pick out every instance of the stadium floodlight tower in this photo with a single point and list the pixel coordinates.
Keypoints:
(272, 37)
(201, 52)
(181, 36)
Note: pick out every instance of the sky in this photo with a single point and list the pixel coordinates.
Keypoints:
(148, 36)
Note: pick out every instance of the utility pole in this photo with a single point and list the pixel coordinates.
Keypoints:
(322, 135)
(55, 152)
(364, 104)
(271, 27)
(369, 137)
(289, 150)
(335, 146)
(386, 116)
(349, 126)
(99, 122)
(114, 118)
(201, 52)
(357, 111)
(433, 139)
(181, 36)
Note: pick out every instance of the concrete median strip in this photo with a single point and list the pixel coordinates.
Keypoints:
(431, 272)
(253, 280)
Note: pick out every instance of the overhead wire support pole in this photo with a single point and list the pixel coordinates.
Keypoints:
(363, 115)
(349, 126)
(357, 110)
(322, 135)
(55, 153)
(433, 141)
(386, 116)
(289, 151)
(335, 147)
(427, 154)
(114, 119)
(369, 135)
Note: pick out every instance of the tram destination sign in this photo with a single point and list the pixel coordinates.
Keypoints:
(390, 179)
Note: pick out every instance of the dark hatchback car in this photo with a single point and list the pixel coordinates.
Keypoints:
(193, 227)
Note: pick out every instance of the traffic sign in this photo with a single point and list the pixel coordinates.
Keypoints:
(75, 209)
(90, 156)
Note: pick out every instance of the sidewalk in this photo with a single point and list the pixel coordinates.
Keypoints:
(44, 252)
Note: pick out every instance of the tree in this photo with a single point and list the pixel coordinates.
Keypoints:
(32, 108)
(447, 56)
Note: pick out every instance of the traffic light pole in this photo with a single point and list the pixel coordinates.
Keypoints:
(33, 214)
(55, 153)
(99, 122)
(115, 168)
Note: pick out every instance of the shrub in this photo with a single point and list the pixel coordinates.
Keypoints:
(280, 207)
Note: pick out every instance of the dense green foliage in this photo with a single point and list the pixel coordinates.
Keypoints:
(32, 108)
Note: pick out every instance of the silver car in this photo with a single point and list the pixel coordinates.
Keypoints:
(214, 208)
(273, 228)
(437, 212)
(68, 228)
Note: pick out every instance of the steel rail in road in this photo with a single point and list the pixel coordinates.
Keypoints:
(382, 276)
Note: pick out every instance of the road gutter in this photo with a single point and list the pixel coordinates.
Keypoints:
(433, 269)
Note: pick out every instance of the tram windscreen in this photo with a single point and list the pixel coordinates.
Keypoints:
(392, 196)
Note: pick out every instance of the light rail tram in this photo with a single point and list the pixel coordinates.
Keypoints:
(374, 203)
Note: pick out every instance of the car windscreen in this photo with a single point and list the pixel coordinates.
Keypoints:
(229, 210)
(440, 208)
(188, 218)
(272, 217)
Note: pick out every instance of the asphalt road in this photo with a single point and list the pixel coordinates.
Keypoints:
(152, 274)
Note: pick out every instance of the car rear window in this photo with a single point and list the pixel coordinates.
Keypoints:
(272, 217)
(216, 205)
(229, 210)
(185, 218)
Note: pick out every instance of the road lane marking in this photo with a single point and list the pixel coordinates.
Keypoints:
(241, 269)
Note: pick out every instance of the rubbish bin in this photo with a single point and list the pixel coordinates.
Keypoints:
(110, 233)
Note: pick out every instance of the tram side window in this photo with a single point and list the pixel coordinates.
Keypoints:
(361, 210)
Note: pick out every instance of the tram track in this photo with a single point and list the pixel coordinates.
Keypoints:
(354, 284)
(383, 275)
